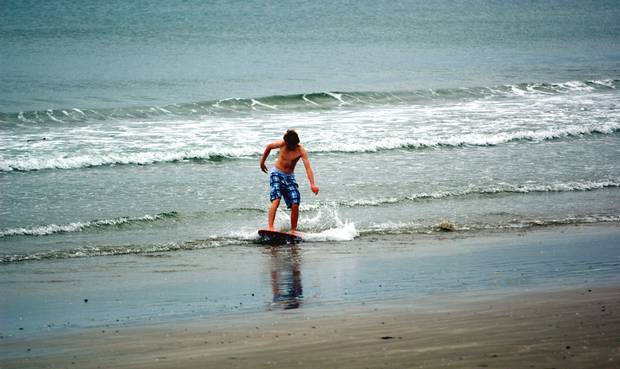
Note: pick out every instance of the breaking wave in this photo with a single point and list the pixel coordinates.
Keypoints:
(476, 139)
(304, 101)
(138, 158)
(421, 119)
(215, 155)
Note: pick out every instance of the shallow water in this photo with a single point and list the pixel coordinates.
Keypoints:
(116, 291)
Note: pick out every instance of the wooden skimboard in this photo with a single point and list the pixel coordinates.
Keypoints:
(268, 237)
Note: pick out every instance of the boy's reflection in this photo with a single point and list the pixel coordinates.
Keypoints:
(285, 276)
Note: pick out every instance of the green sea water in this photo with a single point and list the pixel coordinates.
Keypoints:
(87, 54)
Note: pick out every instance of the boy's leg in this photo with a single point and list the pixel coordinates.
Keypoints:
(294, 217)
(272, 214)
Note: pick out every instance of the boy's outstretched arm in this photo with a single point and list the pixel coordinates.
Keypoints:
(273, 145)
(313, 186)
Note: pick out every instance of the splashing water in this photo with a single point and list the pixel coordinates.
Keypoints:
(326, 225)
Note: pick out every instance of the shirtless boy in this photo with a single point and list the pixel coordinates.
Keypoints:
(282, 176)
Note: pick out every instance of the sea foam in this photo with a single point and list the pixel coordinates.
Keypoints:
(32, 163)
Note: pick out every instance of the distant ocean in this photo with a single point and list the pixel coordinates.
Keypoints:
(133, 129)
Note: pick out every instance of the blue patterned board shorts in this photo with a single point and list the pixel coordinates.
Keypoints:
(284, 185)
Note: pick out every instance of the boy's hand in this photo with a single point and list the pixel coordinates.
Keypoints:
(315, 189)
(263, 167)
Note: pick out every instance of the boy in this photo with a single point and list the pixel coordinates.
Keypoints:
(282, 176)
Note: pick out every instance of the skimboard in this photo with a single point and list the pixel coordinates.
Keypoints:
(268, 237)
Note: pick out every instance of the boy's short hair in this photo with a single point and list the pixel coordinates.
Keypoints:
(291, 138)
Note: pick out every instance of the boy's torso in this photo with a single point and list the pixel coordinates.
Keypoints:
(287, 159)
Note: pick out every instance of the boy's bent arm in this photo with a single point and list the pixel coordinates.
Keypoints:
(309, 172)
(273, 145)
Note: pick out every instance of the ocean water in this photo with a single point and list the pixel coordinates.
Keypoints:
(134, 129)
(130, 135)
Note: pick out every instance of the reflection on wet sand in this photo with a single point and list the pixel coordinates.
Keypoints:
(285, 276)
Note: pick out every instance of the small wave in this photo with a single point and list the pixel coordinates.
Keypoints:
(412, 228)
(473, 190)
(533, 223)
(94, 251)
(320, 100)
(49, 229)
(511, 188)
(346, 231)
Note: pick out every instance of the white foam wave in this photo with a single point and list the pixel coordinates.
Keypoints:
(473, 190)
(258, 103)
(472, 139)
(557, 88)
(511, 188)
(345, 232)
(25, 163)
(306, 99)
(605, 82)
(337, 96)
(49, 229)
(392, 228)
(138, 158)
(50, 114)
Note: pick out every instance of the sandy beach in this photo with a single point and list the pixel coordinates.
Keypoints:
(566, 317)
(555, 329)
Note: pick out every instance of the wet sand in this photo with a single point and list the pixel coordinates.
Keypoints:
(554, 329)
